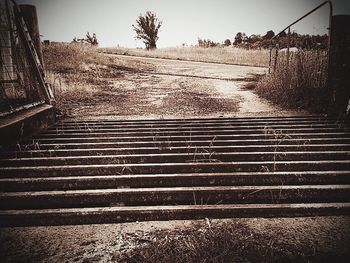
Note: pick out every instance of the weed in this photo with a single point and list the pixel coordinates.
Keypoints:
(279, 137)
(299, 84)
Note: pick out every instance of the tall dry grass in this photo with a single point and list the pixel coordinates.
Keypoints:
(226, 55)
(81, 63)
(225, 242)
(76, 72)
(299, 84)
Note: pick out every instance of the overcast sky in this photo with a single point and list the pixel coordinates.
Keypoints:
(183, 20)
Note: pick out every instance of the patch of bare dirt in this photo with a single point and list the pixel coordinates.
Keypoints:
(174, 89)
(310, 239)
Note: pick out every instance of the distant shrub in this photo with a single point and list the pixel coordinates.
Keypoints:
(227, 42)
(207, 43)
(90, 39)
(219, 54)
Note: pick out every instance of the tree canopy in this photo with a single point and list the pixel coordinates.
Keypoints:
(147, 29)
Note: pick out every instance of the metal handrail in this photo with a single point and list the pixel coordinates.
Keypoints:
(296, 21)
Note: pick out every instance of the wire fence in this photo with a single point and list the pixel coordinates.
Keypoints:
(288, 46)
(19, 83)
(299, 63)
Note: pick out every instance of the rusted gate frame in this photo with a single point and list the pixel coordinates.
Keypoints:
(301, 18)
(11, 28)
(23, 107)
(32, 56)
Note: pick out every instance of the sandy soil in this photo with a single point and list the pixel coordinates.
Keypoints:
(315, 239)
(177, 89)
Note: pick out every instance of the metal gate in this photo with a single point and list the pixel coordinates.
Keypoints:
(22, 79)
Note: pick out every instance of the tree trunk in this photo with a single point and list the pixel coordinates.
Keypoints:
(152, 45)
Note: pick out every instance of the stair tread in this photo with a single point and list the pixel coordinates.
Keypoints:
(218, 128)
(172, 190)
(191, 154)
(171, 208)
(182, 120)
(80, 166)
(141, 176)
(244, 167)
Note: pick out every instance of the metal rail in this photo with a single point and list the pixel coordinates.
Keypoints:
(301, 18)
(22, 78)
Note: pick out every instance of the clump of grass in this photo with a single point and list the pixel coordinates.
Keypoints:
(202, 243)
(299, 84)
(78, 72)
(226, 55)
(230, 241)
(83, 64)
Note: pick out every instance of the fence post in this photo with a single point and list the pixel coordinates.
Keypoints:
(288, 46)
(339, 65)
(31, 19)
(270, 58)
(276, 58)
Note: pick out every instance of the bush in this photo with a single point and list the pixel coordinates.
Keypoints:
(299, 84)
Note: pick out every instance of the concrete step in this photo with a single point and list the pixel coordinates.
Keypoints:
(191, 137)
(205, 156)
(83, 182)
(88, 171)
(103, 215)
(166, 168)
(175, 195)
(200, 120)
(80, 151)
(36, 145)
(115, 128)
(189, 133)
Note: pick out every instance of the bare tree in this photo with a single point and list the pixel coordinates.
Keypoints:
(147, 28)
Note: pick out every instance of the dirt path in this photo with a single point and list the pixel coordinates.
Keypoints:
(178, 89)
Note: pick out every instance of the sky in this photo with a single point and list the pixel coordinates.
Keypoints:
(184, 21)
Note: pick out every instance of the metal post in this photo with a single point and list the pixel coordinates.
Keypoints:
(31, 19)
(339, 65)
(276, 57)
(288, 46)
(7, 73)
(270, 58)
(33, 57)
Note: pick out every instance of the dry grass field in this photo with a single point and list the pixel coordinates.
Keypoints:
(78, 72)
(226, 55)
(299, 84)
(84, 79)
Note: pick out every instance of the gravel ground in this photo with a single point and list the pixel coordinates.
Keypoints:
(178, 89)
